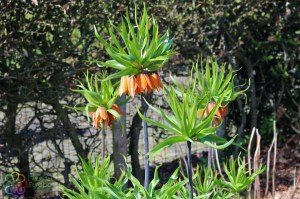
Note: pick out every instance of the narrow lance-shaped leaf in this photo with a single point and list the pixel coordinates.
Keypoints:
(163, 126)
(169, 142)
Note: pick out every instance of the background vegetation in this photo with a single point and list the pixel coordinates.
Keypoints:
(45, 44)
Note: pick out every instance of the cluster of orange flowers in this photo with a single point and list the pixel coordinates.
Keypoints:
(221, 113)
(136, 84)
(102, 115)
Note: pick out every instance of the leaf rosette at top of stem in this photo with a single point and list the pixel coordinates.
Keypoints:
(185, 123)
(185, 101)
(214, 81)
(101, 97)
(132, 47)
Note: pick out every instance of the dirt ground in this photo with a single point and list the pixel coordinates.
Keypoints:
(287, 173)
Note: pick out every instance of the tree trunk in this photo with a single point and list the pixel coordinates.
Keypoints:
(252, 89)
(17, 144)
(241, 127)
(240, 131)
(63, 117)
(119, 142)
(134, 134)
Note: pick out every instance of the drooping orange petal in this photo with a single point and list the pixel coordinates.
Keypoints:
(224, 111)
(216, 122)
(124, 85)
(210, 107)
(138, 80)
(149, 89)
(200, 112)
(132, 86)
(219, 113)
(159, 81)
(149, 84)
(154, 80)
(96, 118)
(137, 90)
(98, 115)
(95, 124)
(109, 119)
(138, 84)
(117, 108)
(143, 82)
(103, 113)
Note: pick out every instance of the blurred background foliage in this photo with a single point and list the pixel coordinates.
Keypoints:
(44, 45)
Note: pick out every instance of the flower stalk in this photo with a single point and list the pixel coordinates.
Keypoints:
(189, 169)
(146, 143)
(103, 138)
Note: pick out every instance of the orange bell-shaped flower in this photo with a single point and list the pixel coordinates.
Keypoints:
(139, 84)
(102, 115)
(220, 114)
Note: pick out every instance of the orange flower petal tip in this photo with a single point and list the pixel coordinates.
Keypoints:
(117, 108)
(143, 81)
(131, 86)
(220, 113)
(159, 81)
(154, 78)
(224, 111)
(103, 113)
(140, 83)
(210, 107)
(200, 112)
(124, 85)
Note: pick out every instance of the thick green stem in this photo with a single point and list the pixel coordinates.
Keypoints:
(209, 157)
(146, 143)
(189, 172)
(103, 135)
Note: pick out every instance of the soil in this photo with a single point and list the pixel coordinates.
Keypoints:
(287, 172)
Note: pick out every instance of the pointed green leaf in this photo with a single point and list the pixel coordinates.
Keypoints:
(127, 71)
(169, 142)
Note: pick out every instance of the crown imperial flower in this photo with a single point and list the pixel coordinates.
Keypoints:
(139, 84)
(142, 54)
(101, 97)
(220, 114)
(101, 115)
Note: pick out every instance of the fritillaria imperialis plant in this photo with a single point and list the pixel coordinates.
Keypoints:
(138, 55)
(212, 83)
(101, 97)
(93, 181)
(210, 91)
(101, 103)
